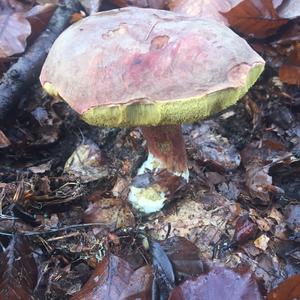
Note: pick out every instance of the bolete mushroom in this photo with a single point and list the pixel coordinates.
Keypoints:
(154, 69)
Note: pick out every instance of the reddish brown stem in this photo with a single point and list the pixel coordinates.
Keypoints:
(167, 144)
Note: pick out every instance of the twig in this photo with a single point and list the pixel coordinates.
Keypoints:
(51, 231)
(27, 69)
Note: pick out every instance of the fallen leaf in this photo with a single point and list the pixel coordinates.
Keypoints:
(219, 283)
(4, 141)
(292, 215)
(112, 212)
(255, 18)
(245, 230)
(287, 290)
(262, 242)
(38, 18)
(212, 148)
(113, 278)
(289, 72)
(18, 270)
(87, 163)
(14, 28)
(185, 257)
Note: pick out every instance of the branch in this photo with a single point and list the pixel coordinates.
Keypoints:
(27, 69)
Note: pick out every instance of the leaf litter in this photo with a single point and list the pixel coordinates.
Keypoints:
(241, 207)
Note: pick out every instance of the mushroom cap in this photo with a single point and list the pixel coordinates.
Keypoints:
(147, 67)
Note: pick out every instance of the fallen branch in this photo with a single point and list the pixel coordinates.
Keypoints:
(27, 69)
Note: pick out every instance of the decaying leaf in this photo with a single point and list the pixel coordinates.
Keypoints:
(4, 141)
(219, 283)
(185, 257)
(257, 159)
(290, 71)
(14, 28)
(262, 242)
(112, 212)
(245, 230)
(213, 149)
(18, 270)
(287, 290)
(39, 17)
(113, 278)
(87, 163)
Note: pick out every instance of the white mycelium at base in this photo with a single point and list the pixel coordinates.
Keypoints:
(151, 199)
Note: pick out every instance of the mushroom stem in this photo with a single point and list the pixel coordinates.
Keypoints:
(163, 173)
(166, 145)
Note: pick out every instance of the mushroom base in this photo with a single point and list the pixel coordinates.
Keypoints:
(163, 173)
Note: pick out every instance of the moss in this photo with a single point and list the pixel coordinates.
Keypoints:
(166, 112)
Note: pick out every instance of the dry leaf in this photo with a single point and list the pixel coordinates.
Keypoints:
(219, 283)
(255, 18)
(14, 28)
(18, 270)
(262, 242)
(287, 290)
(113, 278)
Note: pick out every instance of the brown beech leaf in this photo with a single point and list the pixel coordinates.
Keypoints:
(184, 255)
(219, 283)
(158, 4)
(290, 71)
(287, 290)
(14, 28)
(208, 9)
(39, 17)
(4, 141)
(113, 278)
(18, 270)
(245, 230)
(255, 18)
(91, 6)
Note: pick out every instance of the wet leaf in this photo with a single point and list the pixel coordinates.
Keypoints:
(184, 255)
(14, 28)
(18, 270)
(245, 230)
(287, 290)
(113, 278)
(219, 283)
(255, 18)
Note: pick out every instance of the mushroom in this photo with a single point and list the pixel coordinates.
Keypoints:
(156, 70)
